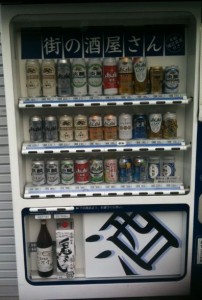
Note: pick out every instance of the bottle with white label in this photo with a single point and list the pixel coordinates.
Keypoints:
(44, 251)
(79, 77)
(94, 77)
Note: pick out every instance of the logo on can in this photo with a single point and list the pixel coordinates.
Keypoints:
(51, 129)
(96, 171)
(53, 172)
(125, 126)
(110, 127)
(110, 76)
(38, 172)
(48, 77)
(139, 127)
(153, 167)
(171, 79)
(125, 69)
(67, 171)
(82, 171)
(36, 129)
(65, 128)
(33, 78)
(94, 77)
(168, 166)
(79, 77)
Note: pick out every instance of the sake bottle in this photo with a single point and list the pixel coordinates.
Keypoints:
(44, 252)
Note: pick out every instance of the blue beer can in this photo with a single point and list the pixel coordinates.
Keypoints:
(140, 169)
(139, 126)
(154, 167)
(125, 169)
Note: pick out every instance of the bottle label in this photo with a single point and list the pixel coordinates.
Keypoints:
(44, 259)
(95, 75)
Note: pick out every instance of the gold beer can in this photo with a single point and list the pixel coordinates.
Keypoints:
(125, 76)
(156, 79)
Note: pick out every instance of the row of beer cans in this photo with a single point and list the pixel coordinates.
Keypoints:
(110, 76)
(95, 127)
(97, 170)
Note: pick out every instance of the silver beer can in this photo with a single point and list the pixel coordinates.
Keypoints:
(63, 78)
(53, 171)
(125, 127)
(36, 129)
(38, 172)
(79, 77)
(33, 78)
(94, 77)
(171, 79)
(48, 70)
(51, 129)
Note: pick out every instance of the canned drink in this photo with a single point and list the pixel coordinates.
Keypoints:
(154, 167)
(171, 79)
(53, 171)
(96, 170)
(156, 79)
(140, 169)
(33, 78)
(111, 170)
(155, 126)
(36, 129)
(140, 126)
(125, 169)
(66, 128)
(169, 125)
(110, 76)
(110, 127)
(82, 170)
(140, 75)
(125, 76)
(51, 129)
(67, 171)
(38, 172)
(125, 127)
(48, 70)
(79, 77)
(168, 166)
(80, 128)
(95, 77)
(95, 127)
(63, 78)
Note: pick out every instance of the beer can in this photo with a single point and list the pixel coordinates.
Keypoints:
(171, 79)
(139, 126)
(125, 76)
(95, 127)
(82, 170)
(48, 70)
(140, 169)
(96, 170)
(94, 77)
(125, 169)
(66, 128)
(154, 167)
(156, 80)
(169, 125)
(33, 77)
(51, 129)
(53, 171)
(110, 76)
(168, 166)
(155, 126)
(125, 126)
(79, 77)
(38, 172)
(111, 170)
(110, 127)
(63, 78)
(67, 171)
(36, 129)
(80, 128)
(140, 75)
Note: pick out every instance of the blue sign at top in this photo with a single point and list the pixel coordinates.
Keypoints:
(103, 41)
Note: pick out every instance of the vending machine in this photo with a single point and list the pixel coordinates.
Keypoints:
(102, 104)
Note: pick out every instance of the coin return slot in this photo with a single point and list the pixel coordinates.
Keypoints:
(50, 196)
(66, 195)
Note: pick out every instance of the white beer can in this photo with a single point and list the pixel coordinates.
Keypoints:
(95, 77)
(33, 78)
(49, 78)
(79, 77)
(125, 126)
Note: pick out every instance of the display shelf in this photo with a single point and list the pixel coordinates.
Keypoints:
(104, 146)
(174, 187)
(117, 100)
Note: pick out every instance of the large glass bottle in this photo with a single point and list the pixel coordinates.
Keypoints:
(44, 252)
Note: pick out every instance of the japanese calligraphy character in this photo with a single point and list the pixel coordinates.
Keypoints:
(113, 44)
(73, 45)
(52, 45)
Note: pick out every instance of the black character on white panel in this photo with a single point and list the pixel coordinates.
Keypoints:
(64, 255)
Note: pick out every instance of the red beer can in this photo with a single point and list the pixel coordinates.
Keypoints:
(82, 170)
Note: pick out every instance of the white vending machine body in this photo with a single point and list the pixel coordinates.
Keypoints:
(132, 238)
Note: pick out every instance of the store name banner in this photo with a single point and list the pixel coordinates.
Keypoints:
(90, 42)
